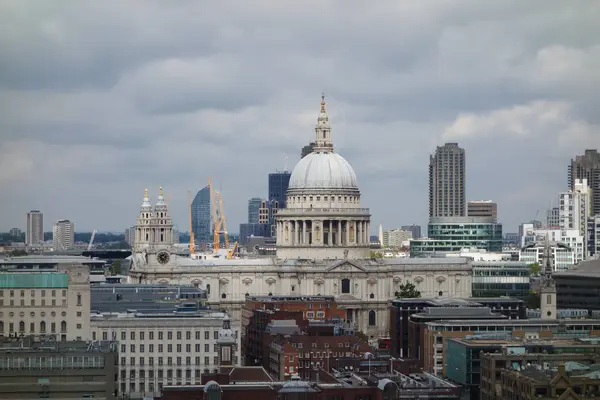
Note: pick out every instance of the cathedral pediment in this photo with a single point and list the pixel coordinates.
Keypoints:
(346, 267)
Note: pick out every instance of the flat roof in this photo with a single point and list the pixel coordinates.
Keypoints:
(515, 322)
(593, 341)
(585, 269)
(52, 259)
(48, 343)
(34, 280)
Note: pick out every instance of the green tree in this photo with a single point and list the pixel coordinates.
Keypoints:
(115, 268)
(18, 253)
(533, 301)
(362, 336)
(375, 254)
(408, 291)
(534, 269)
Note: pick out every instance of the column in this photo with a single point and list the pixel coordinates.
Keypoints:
(347, 223)
(364, 232)
(304, 241)
(359, 233)
(339, 232)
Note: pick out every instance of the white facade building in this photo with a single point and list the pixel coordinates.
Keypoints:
(575, 209)
(63, 235)
(161, 349)
(562, 257)
(396, 238)
(46, 302)
(569, 237)
(322, 248)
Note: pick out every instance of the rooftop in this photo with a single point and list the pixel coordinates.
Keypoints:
(135, 315)
(483, 341)
(458, 312)
(45, 260)
(34, 280)
(49, 344)
(517, 322)
(290, 299)
(452, 302)
(586, 269)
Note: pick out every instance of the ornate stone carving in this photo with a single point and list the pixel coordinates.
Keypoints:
(270, 280)
(440, 279)
(247, 281)
(418, 279)
(371, 281)
(397, 279)
(319, 281)
(223, 281)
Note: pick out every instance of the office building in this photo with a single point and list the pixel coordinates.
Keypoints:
(501, 278)
(553, 218)
(249, 230)
(35, 228)
(482, 208)
(15, 233)
(451, 234)
(563, 257)
(40, 367)
(396, 238)
(415, 230)
(593, 236)
(447, 181)
(45, 301)
(63, 235)
(161, 348)
(587, 167)
(574, 207)
(130, 236)
(201, 217)
(579, 287)
(278, 186)
(306, 150)
(254, 205)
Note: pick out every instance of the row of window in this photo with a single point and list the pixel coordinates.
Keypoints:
(32, 293)
(160, 334)
(42, 325)
(160, 348)
(169, 361)
(141, 374)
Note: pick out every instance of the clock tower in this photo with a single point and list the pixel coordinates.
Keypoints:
(161, 231)
(227, 344)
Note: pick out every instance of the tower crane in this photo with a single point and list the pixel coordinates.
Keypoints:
(192, 245)
(215, 216)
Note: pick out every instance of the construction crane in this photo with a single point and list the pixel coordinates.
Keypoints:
(222, 221)
(233, 250)
(192, 245)
(91, 240)
(218, 216)
(215, 216)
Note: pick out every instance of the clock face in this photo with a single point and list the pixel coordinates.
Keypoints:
(163, 257)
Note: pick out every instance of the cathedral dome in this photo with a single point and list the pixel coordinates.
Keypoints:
(323, 171)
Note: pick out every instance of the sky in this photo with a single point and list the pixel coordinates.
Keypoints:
(101, 99)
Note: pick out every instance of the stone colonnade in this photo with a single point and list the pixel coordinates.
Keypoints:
(324, 232)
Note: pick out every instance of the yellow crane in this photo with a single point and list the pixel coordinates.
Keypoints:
(222, 221)
(192, 245)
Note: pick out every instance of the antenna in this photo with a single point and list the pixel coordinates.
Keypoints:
(285, 160)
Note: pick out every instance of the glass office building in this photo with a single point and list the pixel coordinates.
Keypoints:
(451, 234)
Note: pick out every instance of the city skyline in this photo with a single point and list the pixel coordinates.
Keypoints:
(84, 138)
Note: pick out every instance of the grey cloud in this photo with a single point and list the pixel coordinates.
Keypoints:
(106, 98)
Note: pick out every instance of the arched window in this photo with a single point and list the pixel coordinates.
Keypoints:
(223, 296)
(208, 289)
(345, 285)
(43, 326)
(78, 299)
(1, 327)
(372, 318)
(22, 326)
(63, 326)
(213, 391)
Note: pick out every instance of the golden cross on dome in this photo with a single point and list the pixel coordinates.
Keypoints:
(322, 102)
(146, 193)
(160, 192)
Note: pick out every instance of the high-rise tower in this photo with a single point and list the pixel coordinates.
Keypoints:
(201, 217)
(35, 228)
(587, 167)
(447, 176)
(63, 235)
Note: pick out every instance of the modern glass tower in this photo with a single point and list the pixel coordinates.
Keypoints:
(201, 216)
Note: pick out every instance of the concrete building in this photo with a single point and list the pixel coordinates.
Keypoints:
(587, 166)
(563, 256)
(553, 218)
(306, 150)
(15, 233)
(163, 348)
(278, 186)
(593, 236)
(39, 367)
(35, 228)
(482, 208)
(468, 359)
(501, 278)
(130, 235)
(415, 230)
(323, 248)
(396, 238)
(63, 235)
(575, 209)
(447, 182)
(42, 301)
(579, 287)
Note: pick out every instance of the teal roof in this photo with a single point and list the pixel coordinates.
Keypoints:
(44, 280)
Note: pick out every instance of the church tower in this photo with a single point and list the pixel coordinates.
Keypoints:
(227, 344)
(161, 230)
(142, 226)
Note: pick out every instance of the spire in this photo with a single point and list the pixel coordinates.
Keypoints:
(160, 200)
(323, 142)
(146, 202)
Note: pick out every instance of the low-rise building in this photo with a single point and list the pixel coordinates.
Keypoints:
(40, 367)
(163, 348)
(501, 278)
(46, 301)
(579, 287)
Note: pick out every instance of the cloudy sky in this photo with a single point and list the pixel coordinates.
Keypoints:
(100, 99)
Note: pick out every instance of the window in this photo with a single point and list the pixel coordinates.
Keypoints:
(549, 299)
(43, 326)
(22, 326)
(63, 326)
(206, 335)
(372, 318)
(132, 335)
(345, 285)
(179, 335)
(78, 299)
(123, 335)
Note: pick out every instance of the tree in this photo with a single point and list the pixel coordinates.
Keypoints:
(361, 336)
(115, 268)
(18, 253)
(408, 291)
(533, 301)
(375, 254)
(534, 269)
